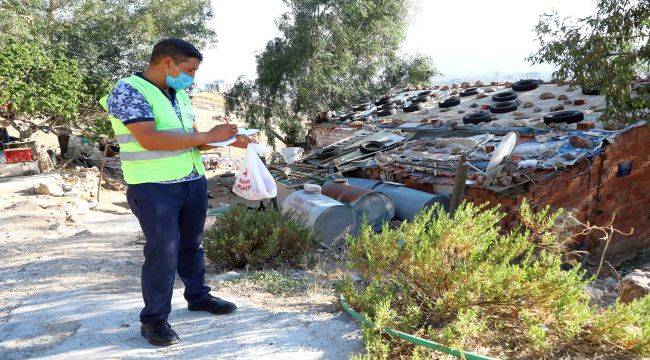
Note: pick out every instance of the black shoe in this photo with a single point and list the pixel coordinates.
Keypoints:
(213, 305)
(159, 333)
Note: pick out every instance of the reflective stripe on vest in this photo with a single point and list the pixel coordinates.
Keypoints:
(150, 155)
(128, 138)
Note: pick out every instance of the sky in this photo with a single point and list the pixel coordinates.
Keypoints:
(466, 39)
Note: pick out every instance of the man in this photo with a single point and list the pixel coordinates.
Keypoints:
(152, 118)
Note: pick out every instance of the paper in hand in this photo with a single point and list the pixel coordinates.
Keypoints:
(240, 131)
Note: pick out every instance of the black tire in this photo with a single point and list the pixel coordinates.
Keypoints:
(525, 85)
(413, 107)
(370, 147)
(469, 92)
(387, 112)
(477, 118)
(386, 106)
(362, 107)
(328, 152)
(590, 91)
(503, 107)
(384, 100)
(504, 96)
(566, 116)
(425, 92)
(449, 102)
(420, 99)
(348, 116)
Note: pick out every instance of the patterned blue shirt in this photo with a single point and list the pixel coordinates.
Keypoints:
(129, 105)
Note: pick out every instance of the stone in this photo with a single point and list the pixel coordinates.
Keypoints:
(528, 104)
(228, 276)
(465, 84)
(595, 294)
(580, 142)
(521, 117)
(478, 83)
(635, 285)
(562, 97)
(114, 185)
(473, 105)
(461, 111)
(481, 95)
(569, 156)
(444, 109)
(579, 102)
(537, 109)
(488, 90)
(586, 125)
(593, 107)
(454, 86)
(48, 188)
(547, 95)
(567, 102)
(485, 107)
(445, 88)
(455, 92)
(494, 83)
(610, 282)
(517, 113)
(557, 107)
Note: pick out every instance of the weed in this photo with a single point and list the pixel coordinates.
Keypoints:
(460, 281)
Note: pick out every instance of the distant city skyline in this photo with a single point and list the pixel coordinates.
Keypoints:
(479, 40)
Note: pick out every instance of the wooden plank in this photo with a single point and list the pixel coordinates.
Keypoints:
(458, 192)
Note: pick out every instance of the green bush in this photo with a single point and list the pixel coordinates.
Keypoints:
(461, 282)
(241, 238)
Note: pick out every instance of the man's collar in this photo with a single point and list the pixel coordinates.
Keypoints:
(172, 91)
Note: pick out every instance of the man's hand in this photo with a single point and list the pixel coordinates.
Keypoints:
(222, 132)
(242, 142)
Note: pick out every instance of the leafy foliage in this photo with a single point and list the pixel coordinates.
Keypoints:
(37, 83)
(606, 51)
(459, 281)
(255, 239)
(331, 54)
(106, 40)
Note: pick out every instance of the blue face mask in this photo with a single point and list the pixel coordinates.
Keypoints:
(182, 81)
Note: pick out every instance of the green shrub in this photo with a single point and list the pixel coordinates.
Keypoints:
(461, 282)
(241, 238)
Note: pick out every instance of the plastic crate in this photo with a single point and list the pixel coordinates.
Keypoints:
(18, 155)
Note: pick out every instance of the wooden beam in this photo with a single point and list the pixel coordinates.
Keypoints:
(458, 192)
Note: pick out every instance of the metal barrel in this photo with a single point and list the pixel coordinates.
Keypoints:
(378, 208)
(360, 182)
(408, 202)
(331, 220)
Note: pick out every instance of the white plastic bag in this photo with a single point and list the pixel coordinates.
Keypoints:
(254, 181)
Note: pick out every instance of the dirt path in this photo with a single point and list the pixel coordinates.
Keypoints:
(70, 289)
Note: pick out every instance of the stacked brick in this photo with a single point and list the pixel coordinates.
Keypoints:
(329, 134)
(616, 182)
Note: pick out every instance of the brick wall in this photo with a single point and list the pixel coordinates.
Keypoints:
(329, 134)
(591, 190)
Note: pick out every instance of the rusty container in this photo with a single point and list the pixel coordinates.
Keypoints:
(377, 208)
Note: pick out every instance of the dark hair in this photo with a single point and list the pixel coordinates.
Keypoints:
(178, 49)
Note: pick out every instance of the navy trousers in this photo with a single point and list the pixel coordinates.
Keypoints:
(172, 218)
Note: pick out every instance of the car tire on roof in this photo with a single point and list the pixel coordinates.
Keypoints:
(328, 152)
(414, 107)
(387, 112)
(566, 116)
(386, 106)
(384, 100)
(425, 92)
(504, 96)
(590, 91)
(362, 107)
(469, 92)
(420, 99)
(503, 107)
(369, 147)
(449, 102)
(525, 85)
(477, 118)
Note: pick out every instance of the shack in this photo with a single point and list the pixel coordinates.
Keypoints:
(451, 141)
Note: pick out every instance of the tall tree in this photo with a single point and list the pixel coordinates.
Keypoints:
(105, 39)
(606, 51)
(331, 54)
